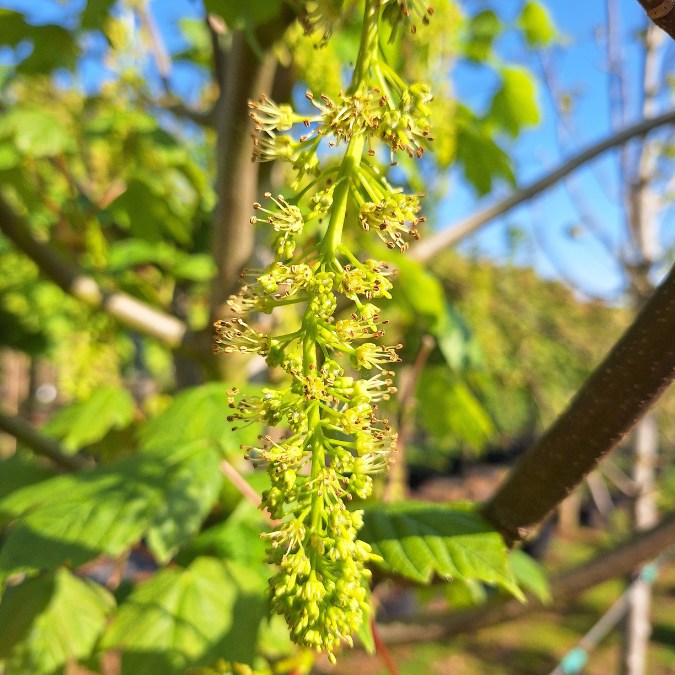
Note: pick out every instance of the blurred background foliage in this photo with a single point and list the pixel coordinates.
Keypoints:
(125, 542)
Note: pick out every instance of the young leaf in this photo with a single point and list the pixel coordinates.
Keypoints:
(197, 414)
(50, 620)
(19, 471)
(482, 30)
(536, 24)
(181, 617)
(450, 412)
(36, 132)
(94, 13)
(514, 105)
(529, 574)
(481, 159)
(76, 518)
(418, 540)
(82, 423)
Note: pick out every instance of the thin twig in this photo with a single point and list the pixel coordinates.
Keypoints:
(40, 444)
(383, 650)
(244, 488)
(432, 246)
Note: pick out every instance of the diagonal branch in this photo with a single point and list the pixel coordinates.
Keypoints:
(431, 246)
(39, 444)
(662, 13)
(124, 308)
(637, 371)
(616, 562)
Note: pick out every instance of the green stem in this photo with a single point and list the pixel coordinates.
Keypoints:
(328, 253)
(350, 163)
(368, 45)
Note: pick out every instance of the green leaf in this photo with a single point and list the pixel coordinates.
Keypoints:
(13, 28)
(50, 620)
(481, 159)
(537, 24)
(53, 47)
(244, 13)
(226, 540)
(482, 30)
(144, 207)
(19, 471)
(420, 290)
(73, 519)
(194, 267)
(86, 422)
(185, 617)
(37, 133)
(418, 540)
(199, 413)
(95, 13)
(456, 341)
(514, 105)
(530, 575)
(450, 412)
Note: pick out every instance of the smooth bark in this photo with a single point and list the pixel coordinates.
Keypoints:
(619, 392)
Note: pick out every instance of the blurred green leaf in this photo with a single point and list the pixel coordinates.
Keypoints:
(53, 47)
(514, 105)
(186, 617)
(456, 341)
(450, 412)
(86, 422)
(537, 24)
(13, 28)
(224, 540)
(21, 470)
(145, 209)
(420, 290)
(482, 30)
(418, 540)
(165, 492)
(95, 13)
(530, 575)
(481, 159)
(199, 413)
(49, 621)
(36, 133)
(244, 13)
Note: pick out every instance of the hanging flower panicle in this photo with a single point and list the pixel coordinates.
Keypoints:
(336, 440)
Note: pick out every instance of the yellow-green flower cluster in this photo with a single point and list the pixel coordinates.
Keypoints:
(339, 370)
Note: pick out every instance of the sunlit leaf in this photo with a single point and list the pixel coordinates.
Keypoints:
(73, 519)
(537, 24)
(181, 617)
(450, 412)
(418, 541)
(482, 30)
(199, 413)
(85, 422)
(530, 575)
(49, 621)
(514, 105)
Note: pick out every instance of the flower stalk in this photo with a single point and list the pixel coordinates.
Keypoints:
(335, 442)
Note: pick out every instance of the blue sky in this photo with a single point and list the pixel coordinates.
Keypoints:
(579, 65)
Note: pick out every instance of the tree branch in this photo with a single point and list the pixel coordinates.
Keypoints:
(662, 13)
(431, 246)
(632, 377)
(617, 562)
(124, 308)
(247, 74)
(39, 444)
